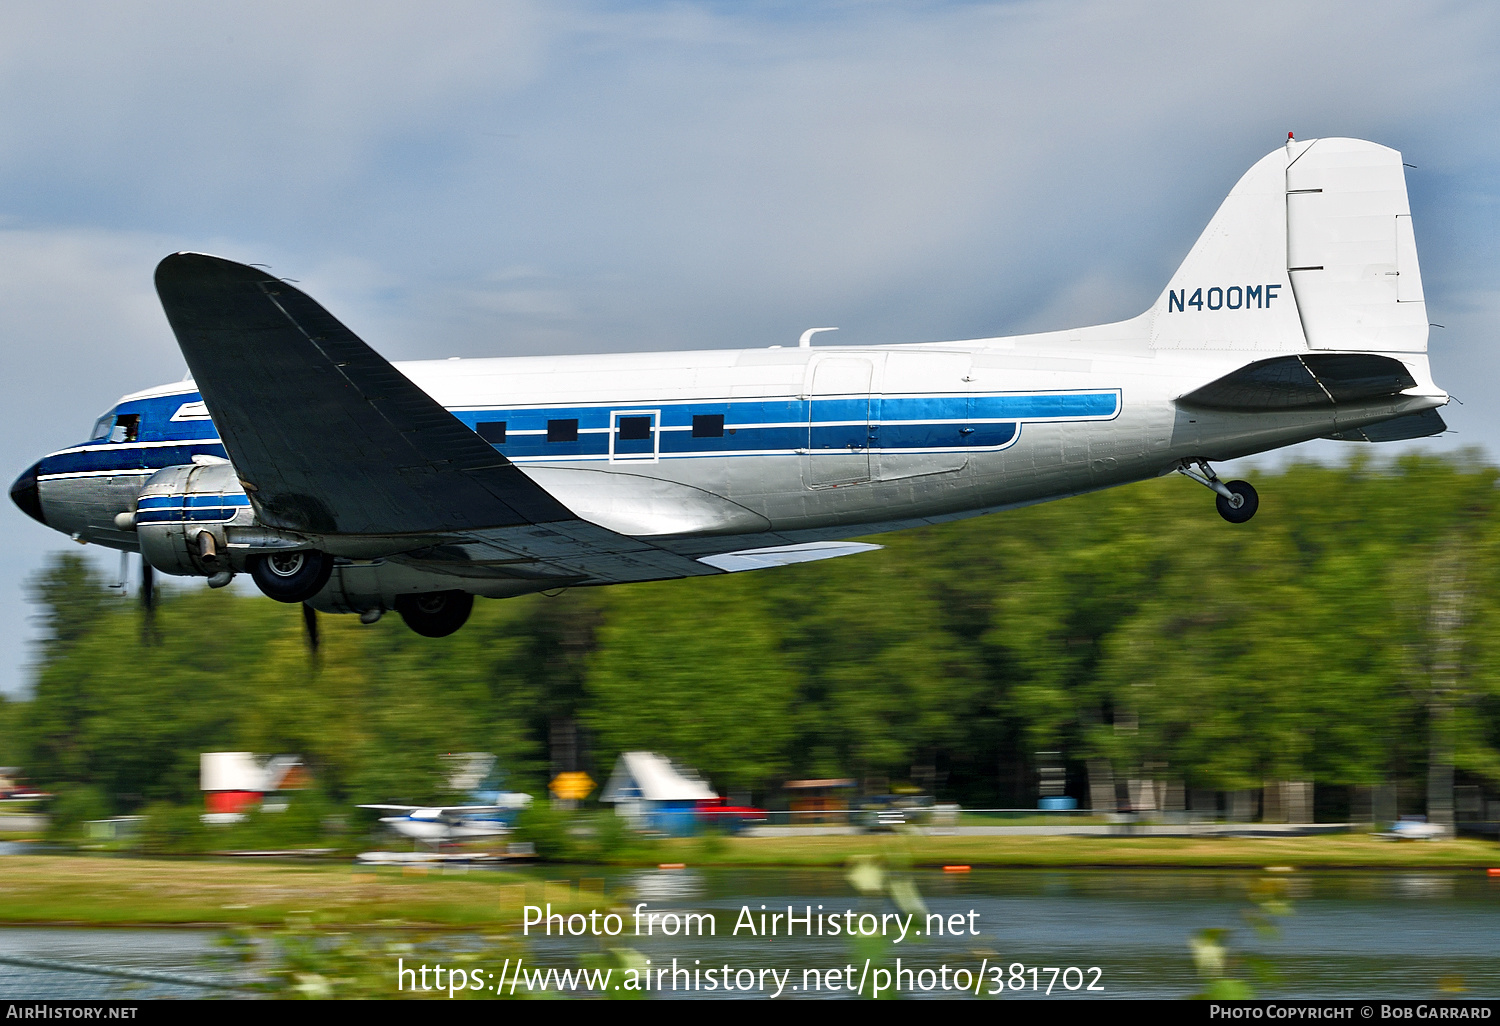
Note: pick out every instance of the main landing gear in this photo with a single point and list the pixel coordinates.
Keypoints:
(435, 614)
(292, 576)
(1236, 501)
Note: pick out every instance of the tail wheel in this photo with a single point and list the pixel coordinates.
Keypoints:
(435, 614)
(292, 576)
(1237, 512)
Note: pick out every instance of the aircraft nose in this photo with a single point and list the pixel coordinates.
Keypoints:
(24, 493)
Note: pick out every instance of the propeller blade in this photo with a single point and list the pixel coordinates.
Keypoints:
(310, 623)
(148, 586)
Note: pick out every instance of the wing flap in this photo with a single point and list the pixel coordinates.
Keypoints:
(561, 554)
(784, 555)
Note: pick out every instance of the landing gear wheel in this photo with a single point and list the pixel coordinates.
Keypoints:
(292, 576)
(1237, 512)
(435, 614)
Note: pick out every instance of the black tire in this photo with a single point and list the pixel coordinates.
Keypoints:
(435, 614)
(1249, 502)
(291, 576)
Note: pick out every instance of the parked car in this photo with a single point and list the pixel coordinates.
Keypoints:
(729, 818)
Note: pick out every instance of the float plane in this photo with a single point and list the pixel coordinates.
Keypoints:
(490, 811)
(297, 454)
(452, 823)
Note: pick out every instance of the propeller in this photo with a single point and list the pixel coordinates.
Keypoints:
(148, 586)
(148, 601)
(310, 624)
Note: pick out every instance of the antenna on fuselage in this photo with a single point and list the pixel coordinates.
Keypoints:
(805, 342)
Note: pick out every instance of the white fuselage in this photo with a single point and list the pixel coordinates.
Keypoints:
(817, 443)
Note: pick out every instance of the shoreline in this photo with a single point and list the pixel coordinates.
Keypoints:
(194, 892)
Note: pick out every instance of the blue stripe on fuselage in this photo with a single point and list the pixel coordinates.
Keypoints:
(755, 426)
(176, 509)
(916, 423)
(125, 457)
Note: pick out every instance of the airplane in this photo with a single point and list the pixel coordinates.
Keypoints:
(490, 812)
(299, 455)
(448, 823)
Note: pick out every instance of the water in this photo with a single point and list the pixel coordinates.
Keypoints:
(1348, 935)
(1362, 935)
(182, 954)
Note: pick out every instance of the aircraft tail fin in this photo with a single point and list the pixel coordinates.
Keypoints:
(1312, 250)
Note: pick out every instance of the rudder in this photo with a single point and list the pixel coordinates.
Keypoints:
(1351, 250)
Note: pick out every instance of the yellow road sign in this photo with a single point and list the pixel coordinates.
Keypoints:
(572, 786)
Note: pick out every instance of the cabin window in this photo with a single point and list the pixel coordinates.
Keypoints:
(708, 425)
(492, 431)
(635, 429)
(562, 430)
(127, 426)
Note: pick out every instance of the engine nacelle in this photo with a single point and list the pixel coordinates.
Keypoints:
(184, 515)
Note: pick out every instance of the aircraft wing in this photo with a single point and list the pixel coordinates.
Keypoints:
(330, 436)
(436, 811)
(395, 808)
(330, 439)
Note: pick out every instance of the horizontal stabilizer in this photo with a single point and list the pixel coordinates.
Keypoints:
(784, 555)
(1397, 429)
(327, 436)
(1313, 379)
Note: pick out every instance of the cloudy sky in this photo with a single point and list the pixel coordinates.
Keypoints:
(465, 179)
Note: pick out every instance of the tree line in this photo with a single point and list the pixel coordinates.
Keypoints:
(1344, 637)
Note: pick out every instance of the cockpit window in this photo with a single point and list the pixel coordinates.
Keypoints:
(102, 426)
(127, 425)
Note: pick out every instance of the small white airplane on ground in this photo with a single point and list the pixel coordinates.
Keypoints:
(339, 480)
(448, 823)
(1414, 828)
(490, 812)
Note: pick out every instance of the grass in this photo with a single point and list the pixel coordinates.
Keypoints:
(105, 891)
(1328, 851)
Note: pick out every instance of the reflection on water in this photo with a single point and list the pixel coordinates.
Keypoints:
(172, 952)
(1351, 934)
(1425, 887)
(664, 885)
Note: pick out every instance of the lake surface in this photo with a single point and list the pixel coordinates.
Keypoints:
(1362, 935)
